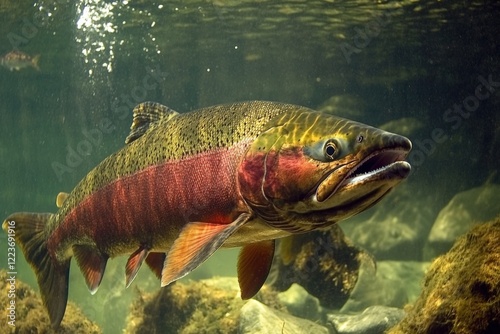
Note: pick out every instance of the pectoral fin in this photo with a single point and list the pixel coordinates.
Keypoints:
(254, 263)
(195, 244)
(288, 249)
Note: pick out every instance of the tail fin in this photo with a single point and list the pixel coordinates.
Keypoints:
(34, 62)
(52, 276)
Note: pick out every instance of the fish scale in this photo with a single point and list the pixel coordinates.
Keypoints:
(187, 134)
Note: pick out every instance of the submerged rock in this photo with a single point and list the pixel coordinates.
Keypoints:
(393, 284)
(465, 209)
(373, 320)
(207, 306)
(461, 291)
(30, 314)
(406, 126)
(300, 303)
(397, 229)
(345, 105)
(257, 318)
(324, 263)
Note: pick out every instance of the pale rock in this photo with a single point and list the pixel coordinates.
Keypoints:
(397, 228)
(256, 318)
(373, 320)
(300, 303)
(465, 209)
(392, 284)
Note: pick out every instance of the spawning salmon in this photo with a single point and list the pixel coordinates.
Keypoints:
(186, 184)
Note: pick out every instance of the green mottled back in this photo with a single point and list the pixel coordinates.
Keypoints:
(171, 136)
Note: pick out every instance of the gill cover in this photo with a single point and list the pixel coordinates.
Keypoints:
(309, 169)
(286, 163)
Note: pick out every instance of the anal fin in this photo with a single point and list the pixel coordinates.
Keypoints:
(155, 262)
(133, 264)
(195, 244)
(254, 263)
(92, 264)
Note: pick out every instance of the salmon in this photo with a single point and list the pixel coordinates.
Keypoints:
(186, 184)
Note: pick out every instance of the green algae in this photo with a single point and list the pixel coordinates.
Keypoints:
(461, 292)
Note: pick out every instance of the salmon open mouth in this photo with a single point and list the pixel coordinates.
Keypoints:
(384, 168)
(382, 165)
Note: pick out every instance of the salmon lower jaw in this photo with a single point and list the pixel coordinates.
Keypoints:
(395, 170)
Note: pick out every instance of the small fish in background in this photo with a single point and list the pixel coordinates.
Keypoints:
(17, 60)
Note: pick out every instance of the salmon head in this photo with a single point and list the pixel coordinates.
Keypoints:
(309, 169)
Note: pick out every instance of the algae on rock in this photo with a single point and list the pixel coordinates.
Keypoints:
(461, 291)
(206, 306)
(32, 317)
(325, 263)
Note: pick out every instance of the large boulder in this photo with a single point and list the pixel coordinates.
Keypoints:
(461, 292)
(325, 263)
(465, 209)
(396, 228)
(391, 284)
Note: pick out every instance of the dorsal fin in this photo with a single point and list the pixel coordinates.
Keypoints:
(147, 114)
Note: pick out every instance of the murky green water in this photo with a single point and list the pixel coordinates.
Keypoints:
(413, 61)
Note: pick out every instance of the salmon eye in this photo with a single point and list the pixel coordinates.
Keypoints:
(330, 150)
(323, 150)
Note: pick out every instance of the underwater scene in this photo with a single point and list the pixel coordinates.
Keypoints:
(250, 166)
